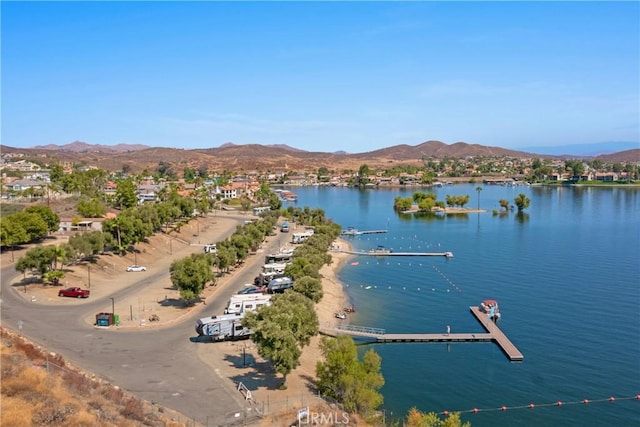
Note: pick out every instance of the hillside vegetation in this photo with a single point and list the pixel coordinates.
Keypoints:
(40, 389)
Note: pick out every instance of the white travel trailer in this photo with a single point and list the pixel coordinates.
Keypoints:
(221, 328)
(241, 303)
(285, 256)
(274, 267)
(279, 285)
(301, 237)
(270, 271)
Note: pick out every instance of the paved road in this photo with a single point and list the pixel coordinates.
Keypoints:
(159, 365)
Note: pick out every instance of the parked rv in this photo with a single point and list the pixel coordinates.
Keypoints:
(282, 257)
(301, 237)
(240, 303)
(211, 248)
(225, 327)
(279, 285)
(270, 271)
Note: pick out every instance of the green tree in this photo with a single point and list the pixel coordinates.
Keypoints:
(522, 202)
(363, 175)
(12, 232)
(190, 275)
(48, 216)
(282, 329)
(310, 287)
(91, 208)
(126, 194)
(415, 418)
(39, 259)
(504, 204)
(344, 377)
(401, 204)
(33, 224)
(54, 277)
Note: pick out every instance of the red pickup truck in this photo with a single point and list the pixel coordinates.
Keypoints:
(74, 292)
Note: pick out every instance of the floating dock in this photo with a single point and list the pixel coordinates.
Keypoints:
(356, 232)
(380, 253)
(494, 334)
(498, 336)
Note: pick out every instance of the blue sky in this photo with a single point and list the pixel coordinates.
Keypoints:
(320, 76)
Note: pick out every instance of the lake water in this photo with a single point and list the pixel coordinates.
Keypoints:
(566, 276)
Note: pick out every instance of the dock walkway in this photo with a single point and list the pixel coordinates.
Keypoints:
(381, 253)
(494, 334)
(355, 232)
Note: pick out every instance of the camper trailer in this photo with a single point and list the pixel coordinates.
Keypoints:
(279, 285)
(270, 271)
(221, 328)
(301, 237)
(285, 256)
(240, 303)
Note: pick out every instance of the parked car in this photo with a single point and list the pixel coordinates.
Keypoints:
(251, 289)
(136, 268)
(74, 293)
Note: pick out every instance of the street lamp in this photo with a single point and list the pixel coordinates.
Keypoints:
(89, 275)
(113, 306)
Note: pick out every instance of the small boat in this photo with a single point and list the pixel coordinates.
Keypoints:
(490, 308)
(350, 231)
(368, 287)
(340, 315)
(350, 309)
(355, 263)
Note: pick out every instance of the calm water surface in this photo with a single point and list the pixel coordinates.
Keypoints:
(566, 275)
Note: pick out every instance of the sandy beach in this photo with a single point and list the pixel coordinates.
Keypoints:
(239, 361)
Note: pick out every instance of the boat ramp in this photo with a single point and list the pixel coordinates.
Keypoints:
(492, 334)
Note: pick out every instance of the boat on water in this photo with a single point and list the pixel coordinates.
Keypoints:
(490, 308)
(380, 250)
(350, 231)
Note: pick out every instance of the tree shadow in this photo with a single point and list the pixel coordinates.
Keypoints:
(174, 302)
(310, 384)
(259, 375)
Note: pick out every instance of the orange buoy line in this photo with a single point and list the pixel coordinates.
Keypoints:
(541, 405)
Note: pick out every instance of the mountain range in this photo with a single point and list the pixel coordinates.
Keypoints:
(235, 157)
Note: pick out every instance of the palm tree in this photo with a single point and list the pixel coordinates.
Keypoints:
(478, 189)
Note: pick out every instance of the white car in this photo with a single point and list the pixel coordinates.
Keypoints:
(136, 268)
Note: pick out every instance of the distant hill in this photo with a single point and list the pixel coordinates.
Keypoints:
(83, 147)
(256, 157)
(585, 150)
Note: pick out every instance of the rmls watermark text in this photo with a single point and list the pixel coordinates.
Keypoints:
(324, 418)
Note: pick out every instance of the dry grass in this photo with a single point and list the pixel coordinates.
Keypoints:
(41, 389)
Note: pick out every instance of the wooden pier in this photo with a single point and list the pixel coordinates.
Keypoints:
(494, 334)
(498, 336)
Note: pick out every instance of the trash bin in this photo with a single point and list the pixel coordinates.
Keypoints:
(104, 319)
(116, 319)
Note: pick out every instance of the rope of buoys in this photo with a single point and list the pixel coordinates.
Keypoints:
(558, 403)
